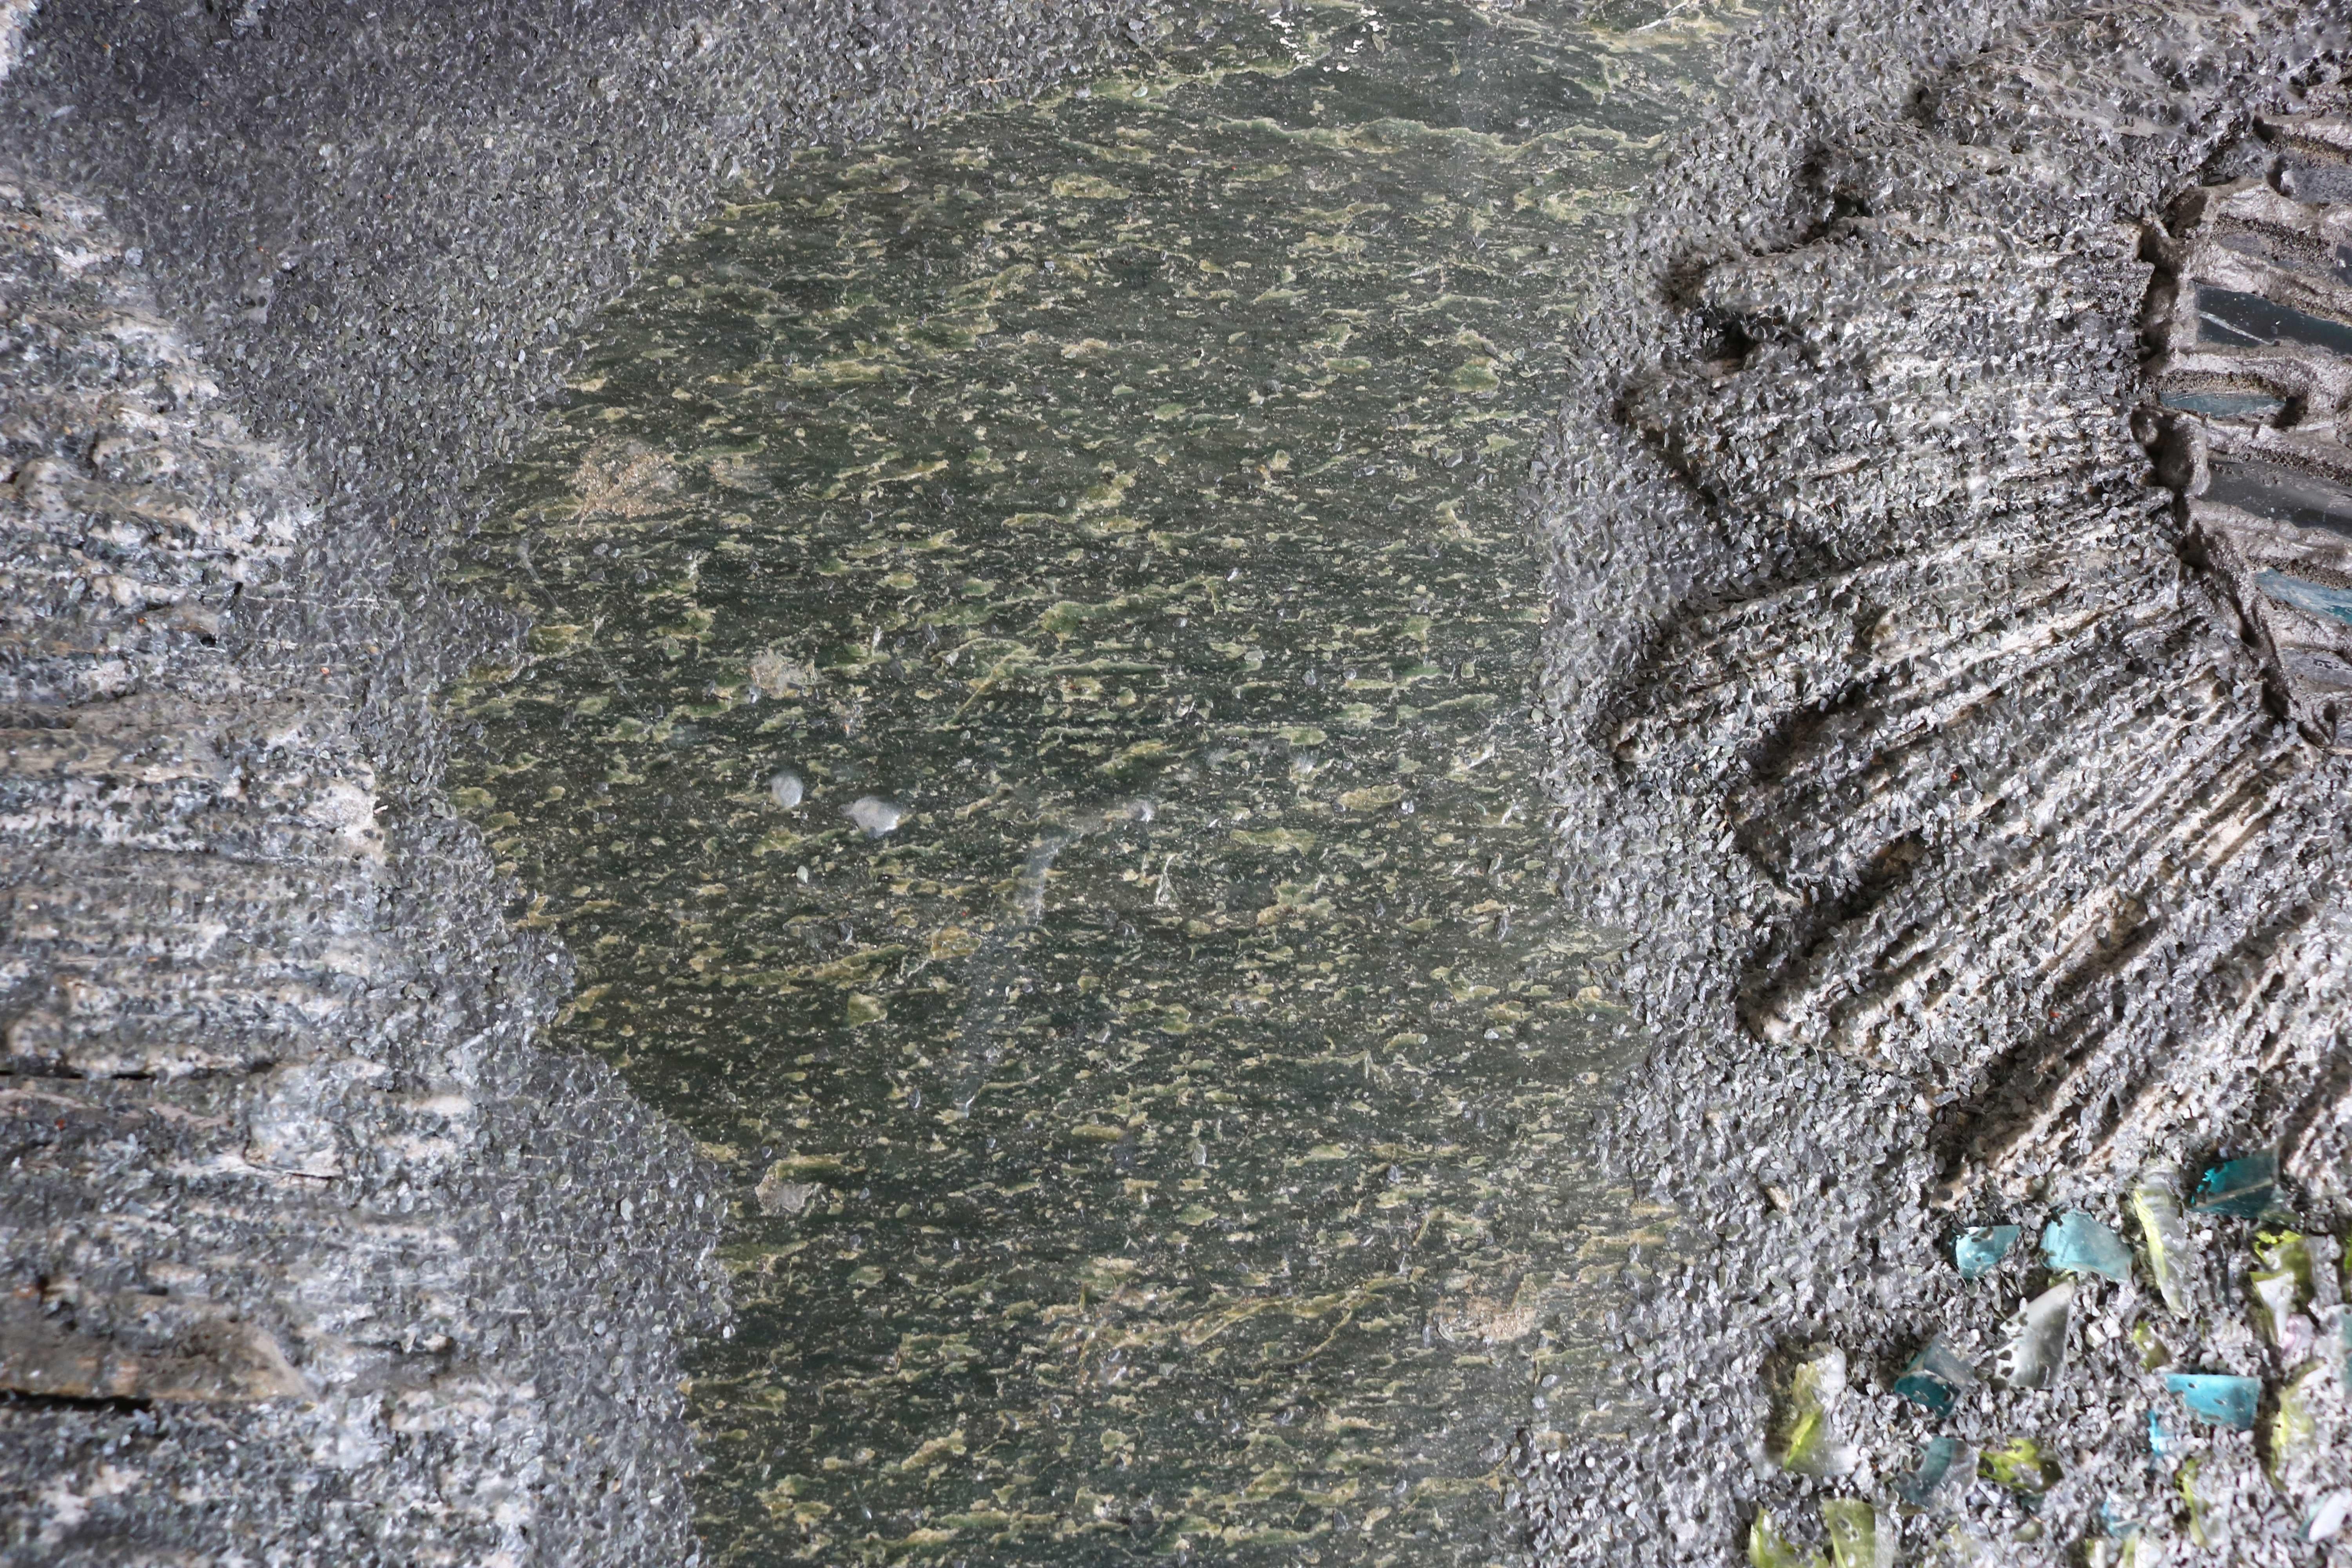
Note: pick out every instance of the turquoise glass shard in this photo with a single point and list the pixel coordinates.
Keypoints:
(2223, 1400)
(1936, 1377)
(2251, 406)
(2244, 1187)
(1946, 1467)
(2159, 1436)
(1979, 1250)
(2075, 1243)
(2312, 598)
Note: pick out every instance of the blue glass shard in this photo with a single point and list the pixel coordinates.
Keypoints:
(2246, 1188)
(1936, 1377)
(2313, 598)
(1946, 1467)
(2159, 1436)
(2281, 495)
(1978, 1251)
(2251, 405)
(1932, 1394)
(2238, 319)
(2219, 1398)
(2075, 1243)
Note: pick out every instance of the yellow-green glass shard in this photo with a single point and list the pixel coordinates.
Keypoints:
(1768, 1548)
(1856, 1537)
(2164, 1236)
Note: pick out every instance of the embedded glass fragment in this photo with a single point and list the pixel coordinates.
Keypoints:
(2159, 1436)
(2119, 1547)
(2075, 1243)
(2037, 1342)
(1935, 1377)
(2115, 1551)
(2302, 594)
(2245, 1187)
(2164, 1232)
(1768, 1548)
(2250, 341)
(2281, 1289)
(2279, 495)
(1978, 1251)
(2303, 180)
(2021, 1465)
(2218, 1397)
(2195, 1500)
(2295, 1430)
(1855, 1540)
(2253, 406)
(1808, 1443)
(1946, 1467)
(2233, 318)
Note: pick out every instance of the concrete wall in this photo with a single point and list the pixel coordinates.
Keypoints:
(313, 1251)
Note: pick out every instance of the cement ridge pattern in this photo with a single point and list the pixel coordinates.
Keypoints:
(1972, 880)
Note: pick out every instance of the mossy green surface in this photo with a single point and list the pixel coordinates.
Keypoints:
(1167, 1142)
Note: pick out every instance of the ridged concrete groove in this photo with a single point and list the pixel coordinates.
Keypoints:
(268, 1180)
(1972, 871)
(2001, 814)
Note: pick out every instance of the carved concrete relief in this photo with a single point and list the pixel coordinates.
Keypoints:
(2251, 368)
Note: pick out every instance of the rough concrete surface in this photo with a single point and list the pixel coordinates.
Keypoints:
(1969, 877)
(1973, 870)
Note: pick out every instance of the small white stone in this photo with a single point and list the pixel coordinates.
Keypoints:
(785, 789)
(874, 815)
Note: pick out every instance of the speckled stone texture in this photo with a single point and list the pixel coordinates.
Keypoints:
(314, 1254)
(1150, 1076)
(1970, 879)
